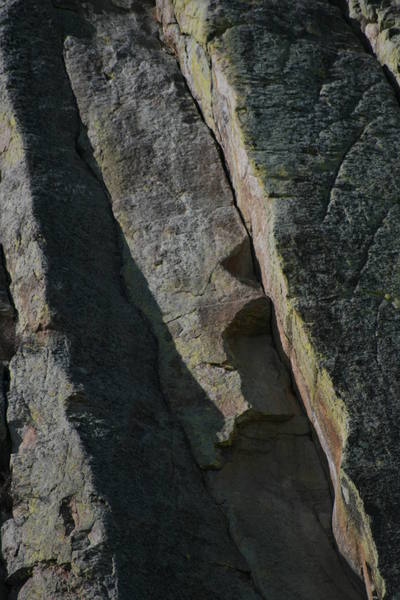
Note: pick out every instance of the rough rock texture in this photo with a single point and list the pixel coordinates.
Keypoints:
(379, 21)
(151, 443)
(219, 370)
(107, 500)
(310, 127)
(140, 337)
(157, 447)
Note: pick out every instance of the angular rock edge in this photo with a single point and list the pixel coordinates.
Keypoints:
(203, 283)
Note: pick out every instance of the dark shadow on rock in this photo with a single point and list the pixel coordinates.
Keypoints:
(249, 343)
(165, 535)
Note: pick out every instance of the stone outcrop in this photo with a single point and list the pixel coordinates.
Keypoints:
(379, 21)
(152, 444)
(309, 126)
(157, 447)
(140, 348)
(188, 267)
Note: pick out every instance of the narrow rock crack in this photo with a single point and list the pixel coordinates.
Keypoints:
(120, 238)
(5, 443)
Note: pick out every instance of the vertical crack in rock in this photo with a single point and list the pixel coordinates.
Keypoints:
(8, 318)
(157, 447)
(376, 24)
(237, 264)
(256, 319)
(107, 501)
(375, 27)
(85, 153)
(249, 243)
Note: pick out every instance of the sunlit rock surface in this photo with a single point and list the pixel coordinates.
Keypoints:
(152, 443)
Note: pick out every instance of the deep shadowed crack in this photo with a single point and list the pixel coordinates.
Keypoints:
(7, 350)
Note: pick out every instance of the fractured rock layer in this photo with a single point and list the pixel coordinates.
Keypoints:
(157, 448)
(309, 126)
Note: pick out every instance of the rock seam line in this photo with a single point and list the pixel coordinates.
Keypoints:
(356, 29)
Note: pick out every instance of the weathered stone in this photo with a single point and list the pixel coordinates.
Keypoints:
(158, 449)
(219, 370)
(107, 500)
(380, 22)
(143, 342)
(310, 126)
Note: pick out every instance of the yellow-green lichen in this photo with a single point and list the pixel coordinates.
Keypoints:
(200, 75)
(361, 522)
(192, 18)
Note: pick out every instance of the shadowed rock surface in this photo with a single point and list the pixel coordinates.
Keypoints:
(379, 21)
(158, 449)
(309, 126)
(219, 370)
(107, 501)
(143, 343)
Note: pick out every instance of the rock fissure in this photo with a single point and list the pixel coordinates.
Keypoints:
(85, 153)
(206, 405)
(354, 13)
(339, 166)
(8, 320)
(221, 155)
(249, 416)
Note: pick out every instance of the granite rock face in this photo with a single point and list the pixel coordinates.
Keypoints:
(219, 370)
(152, 443)
(309, 126)
(379, 21)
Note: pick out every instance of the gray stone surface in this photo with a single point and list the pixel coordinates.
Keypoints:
(172, 200)
(379, 21)
(107, 500)
(309, 126)
(157, 447)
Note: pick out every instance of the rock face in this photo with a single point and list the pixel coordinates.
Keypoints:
(379, 20)
(152, 444)
(309, 126)
(188, 267)
(157, 447)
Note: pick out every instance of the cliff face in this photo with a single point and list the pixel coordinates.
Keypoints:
(309, 126)
(152, 442)
(379, 21)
